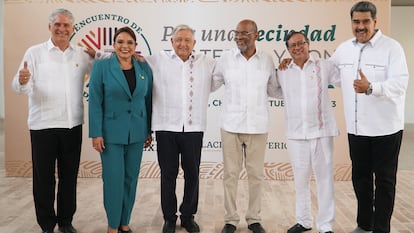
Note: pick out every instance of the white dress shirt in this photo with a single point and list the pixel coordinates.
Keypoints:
(247, 85)
(180, 91)
(300, 93)
(383, 62)
(55, 87)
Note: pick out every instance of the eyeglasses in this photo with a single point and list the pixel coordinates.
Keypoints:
(243, 33)
(297, 44)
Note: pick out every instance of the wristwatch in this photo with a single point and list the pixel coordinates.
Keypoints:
(369, 90)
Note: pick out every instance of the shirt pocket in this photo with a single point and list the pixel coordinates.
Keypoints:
(375, 72)
(348, 73)
(346, 69)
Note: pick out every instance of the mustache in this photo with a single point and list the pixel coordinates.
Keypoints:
(361, 30)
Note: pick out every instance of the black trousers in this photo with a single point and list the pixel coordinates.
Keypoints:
(169, 147)
(374, 175)
(49, 146)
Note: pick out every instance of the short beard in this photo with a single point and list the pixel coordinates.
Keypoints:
(244, 49)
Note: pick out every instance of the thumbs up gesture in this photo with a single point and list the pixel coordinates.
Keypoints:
(24, 74)
(361, 85)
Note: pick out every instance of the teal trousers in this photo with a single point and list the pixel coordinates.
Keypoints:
(120, 170)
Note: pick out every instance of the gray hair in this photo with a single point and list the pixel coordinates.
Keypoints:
(182, 27)
(60, 11)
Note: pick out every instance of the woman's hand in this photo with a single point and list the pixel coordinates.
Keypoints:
(98, 144)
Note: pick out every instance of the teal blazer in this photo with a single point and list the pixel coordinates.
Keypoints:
(114, 113)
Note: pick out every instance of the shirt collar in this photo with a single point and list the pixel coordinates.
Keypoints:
(310, 60)
(373, 40)
(173, 55)
(238, 53)
(51, 46)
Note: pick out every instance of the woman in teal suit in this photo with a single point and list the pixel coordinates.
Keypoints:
(119, 124)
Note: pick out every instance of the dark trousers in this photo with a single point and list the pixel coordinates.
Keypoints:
(374, 174)
(49, 146)
(169, 147)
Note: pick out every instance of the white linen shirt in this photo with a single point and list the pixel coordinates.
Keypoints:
(300, 94)
(247, 84)
(383, 63)
(55, 88)
(179, 104)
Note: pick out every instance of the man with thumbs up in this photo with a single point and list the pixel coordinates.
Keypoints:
(374, 79)
(52, 75)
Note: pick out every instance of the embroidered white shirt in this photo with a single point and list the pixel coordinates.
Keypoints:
(247, 84)
(55, 88)
(180, 91)
(300, 94)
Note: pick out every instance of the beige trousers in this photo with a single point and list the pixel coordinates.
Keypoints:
(243, 150)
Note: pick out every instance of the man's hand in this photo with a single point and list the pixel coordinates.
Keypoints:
(139, 57)
(284, 64)
(90, 51)
(24, 74)
(148, 142)
(361, 85)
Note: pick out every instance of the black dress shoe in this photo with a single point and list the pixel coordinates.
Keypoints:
(297, 228)
(47, 231)
(169, 227)
(256, 228)
(228, 228)
(190, 225)
(67, 229)
(123, 231)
